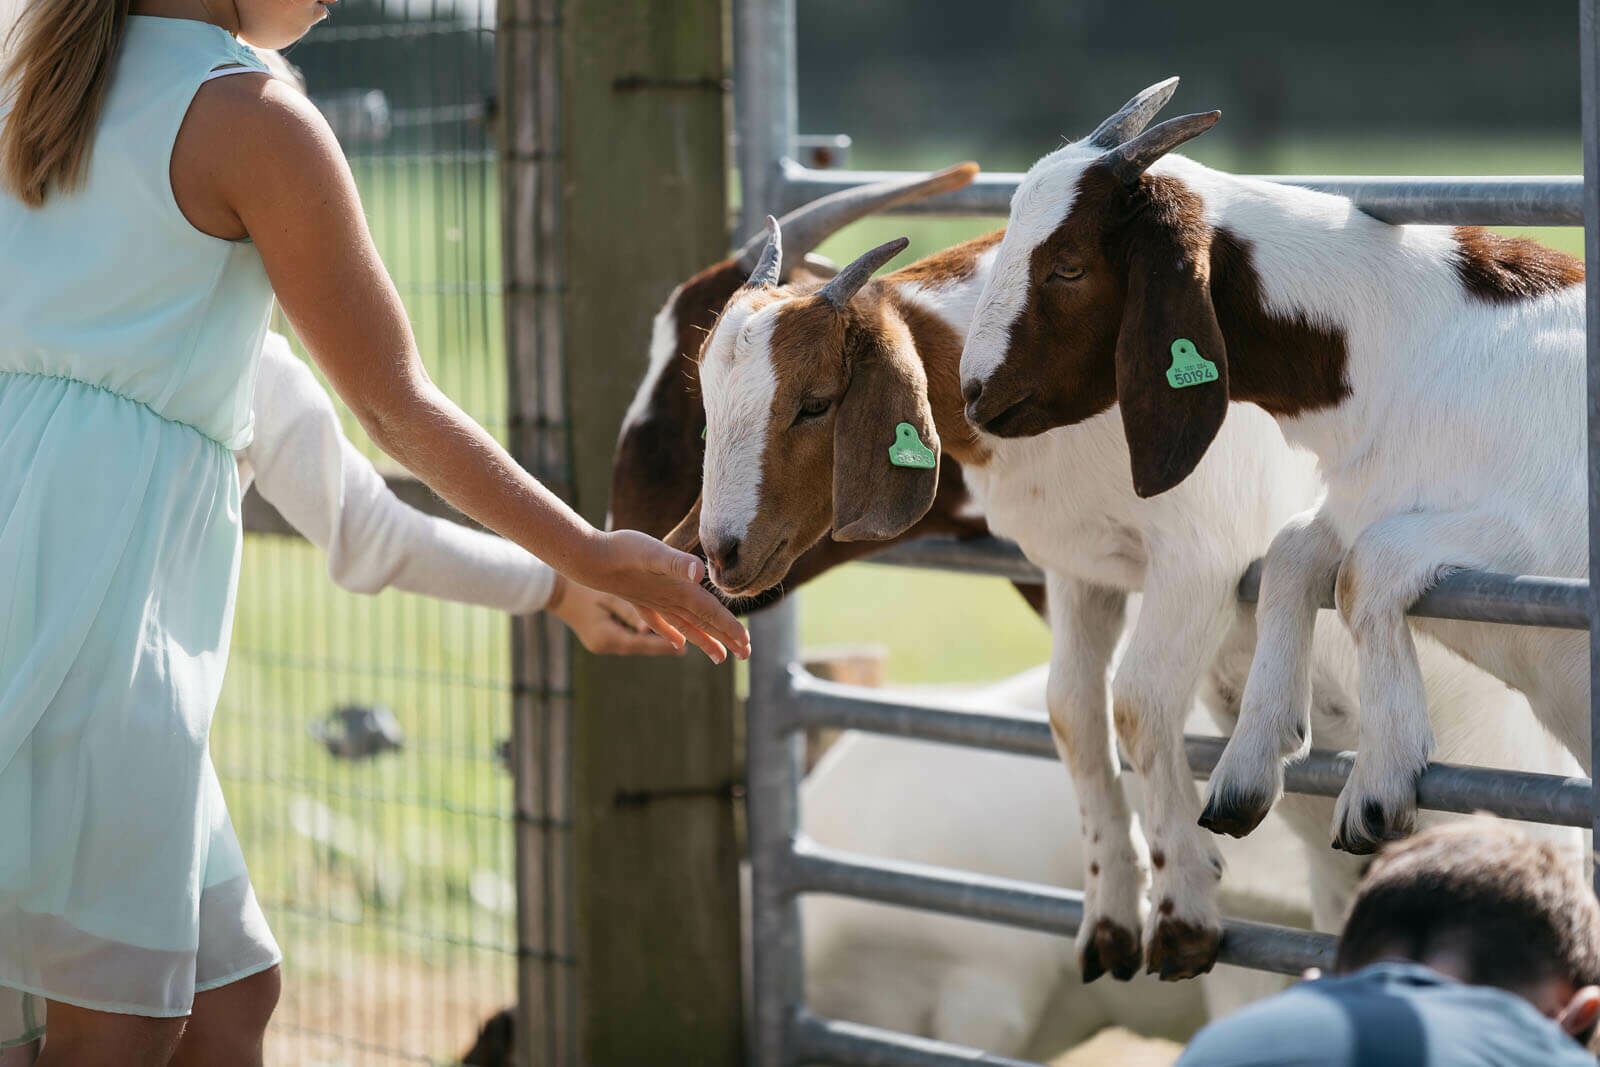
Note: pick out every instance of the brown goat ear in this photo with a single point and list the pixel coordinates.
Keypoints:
(885, 447)
(1172, 367)
(685, 537)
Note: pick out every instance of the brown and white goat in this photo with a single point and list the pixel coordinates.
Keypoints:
(806, 390)
(1436, 373)
(655, 474)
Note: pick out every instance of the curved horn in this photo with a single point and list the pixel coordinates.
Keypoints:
(1131, 119)
(808, 226)
(849, 281)
(770, 265)
(1128, 161)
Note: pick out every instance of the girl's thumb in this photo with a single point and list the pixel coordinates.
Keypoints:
(681, 565)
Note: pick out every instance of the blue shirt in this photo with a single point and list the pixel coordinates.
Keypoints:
(1386, 1015)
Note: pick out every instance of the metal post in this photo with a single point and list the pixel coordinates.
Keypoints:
(772, 800)
(764, 103)
(764, 116)
(1590, 51)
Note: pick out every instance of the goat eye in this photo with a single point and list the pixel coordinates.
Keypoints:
(813, 407)
(1067, 272)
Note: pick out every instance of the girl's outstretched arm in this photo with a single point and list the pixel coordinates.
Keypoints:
(254, 158)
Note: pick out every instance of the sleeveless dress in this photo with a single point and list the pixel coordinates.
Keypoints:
(128, 347)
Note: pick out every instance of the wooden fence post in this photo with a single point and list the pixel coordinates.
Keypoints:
(643, 96)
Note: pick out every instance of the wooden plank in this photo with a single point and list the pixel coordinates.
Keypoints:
(644, 205)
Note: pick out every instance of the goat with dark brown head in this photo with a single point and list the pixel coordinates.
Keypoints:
(1434, 371)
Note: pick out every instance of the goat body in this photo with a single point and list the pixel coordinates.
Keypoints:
(782, 357)
(1434, 372)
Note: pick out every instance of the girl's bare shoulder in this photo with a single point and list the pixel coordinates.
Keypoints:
(245, 136)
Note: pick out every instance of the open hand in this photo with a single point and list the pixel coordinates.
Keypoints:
(605, 624)
(664, 584)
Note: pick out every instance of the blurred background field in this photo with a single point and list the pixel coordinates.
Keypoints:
(389, 881)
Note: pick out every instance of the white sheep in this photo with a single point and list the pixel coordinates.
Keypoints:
(1008, 991)
(1436, 373)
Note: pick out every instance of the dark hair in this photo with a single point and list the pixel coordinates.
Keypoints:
(1516, 911)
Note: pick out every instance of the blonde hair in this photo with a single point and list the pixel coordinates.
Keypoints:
(56, 80)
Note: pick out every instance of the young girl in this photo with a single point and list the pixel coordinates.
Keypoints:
(159, 187)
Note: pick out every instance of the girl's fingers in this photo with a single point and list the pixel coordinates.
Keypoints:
(625, 613)
(660, 625)
(706, 611)
(625, 642)
(698, 637)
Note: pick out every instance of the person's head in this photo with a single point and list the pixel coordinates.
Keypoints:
(59, 57)
(268, 23)
(1480, 902)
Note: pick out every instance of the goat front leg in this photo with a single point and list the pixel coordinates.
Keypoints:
(1392, 563)
(1182, 622)
(1275, 715)
(1085, 623)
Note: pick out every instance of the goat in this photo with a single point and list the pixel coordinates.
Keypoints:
(656, 470)
(815, 395)
(1436, 373)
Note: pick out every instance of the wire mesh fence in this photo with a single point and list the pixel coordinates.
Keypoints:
(382, 850)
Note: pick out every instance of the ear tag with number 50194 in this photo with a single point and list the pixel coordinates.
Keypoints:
(908, 449)
(1189, 367)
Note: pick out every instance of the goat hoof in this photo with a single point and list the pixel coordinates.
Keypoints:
(1180, 949)
(1234, 814)
(1110, 947)
(1375, 829)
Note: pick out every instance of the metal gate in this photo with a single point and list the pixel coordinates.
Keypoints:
(387, 875)
(785, 700)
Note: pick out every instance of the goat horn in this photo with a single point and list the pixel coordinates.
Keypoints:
(808, 226)
(844, 285)
(1128, 161)
(769, 266)
(1131, 119)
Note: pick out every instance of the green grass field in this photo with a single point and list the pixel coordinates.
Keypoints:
(379, 874)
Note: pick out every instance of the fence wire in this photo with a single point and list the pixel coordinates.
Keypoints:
(388, 878)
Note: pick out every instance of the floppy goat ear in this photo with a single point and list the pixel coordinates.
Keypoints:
(1172, 367)
(885, 447)
(685, 537)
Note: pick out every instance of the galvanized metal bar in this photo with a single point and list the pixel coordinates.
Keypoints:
(772, 806)
(1477, 596)
(814, 868)
(1589, 50)
(841, 1044)
(1555, 200)
(988, 556)
(1482, 596)
(1541, 798)
(765, 104)
(765, 107)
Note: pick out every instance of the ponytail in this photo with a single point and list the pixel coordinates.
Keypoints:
(56, 81)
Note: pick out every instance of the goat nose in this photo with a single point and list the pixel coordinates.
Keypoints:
(972, 391)
(724, 555)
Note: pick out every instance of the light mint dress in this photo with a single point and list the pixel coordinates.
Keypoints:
(128, 346)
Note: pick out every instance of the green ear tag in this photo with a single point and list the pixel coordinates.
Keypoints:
(1189, 367)
(908, 449)
(703, 431)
